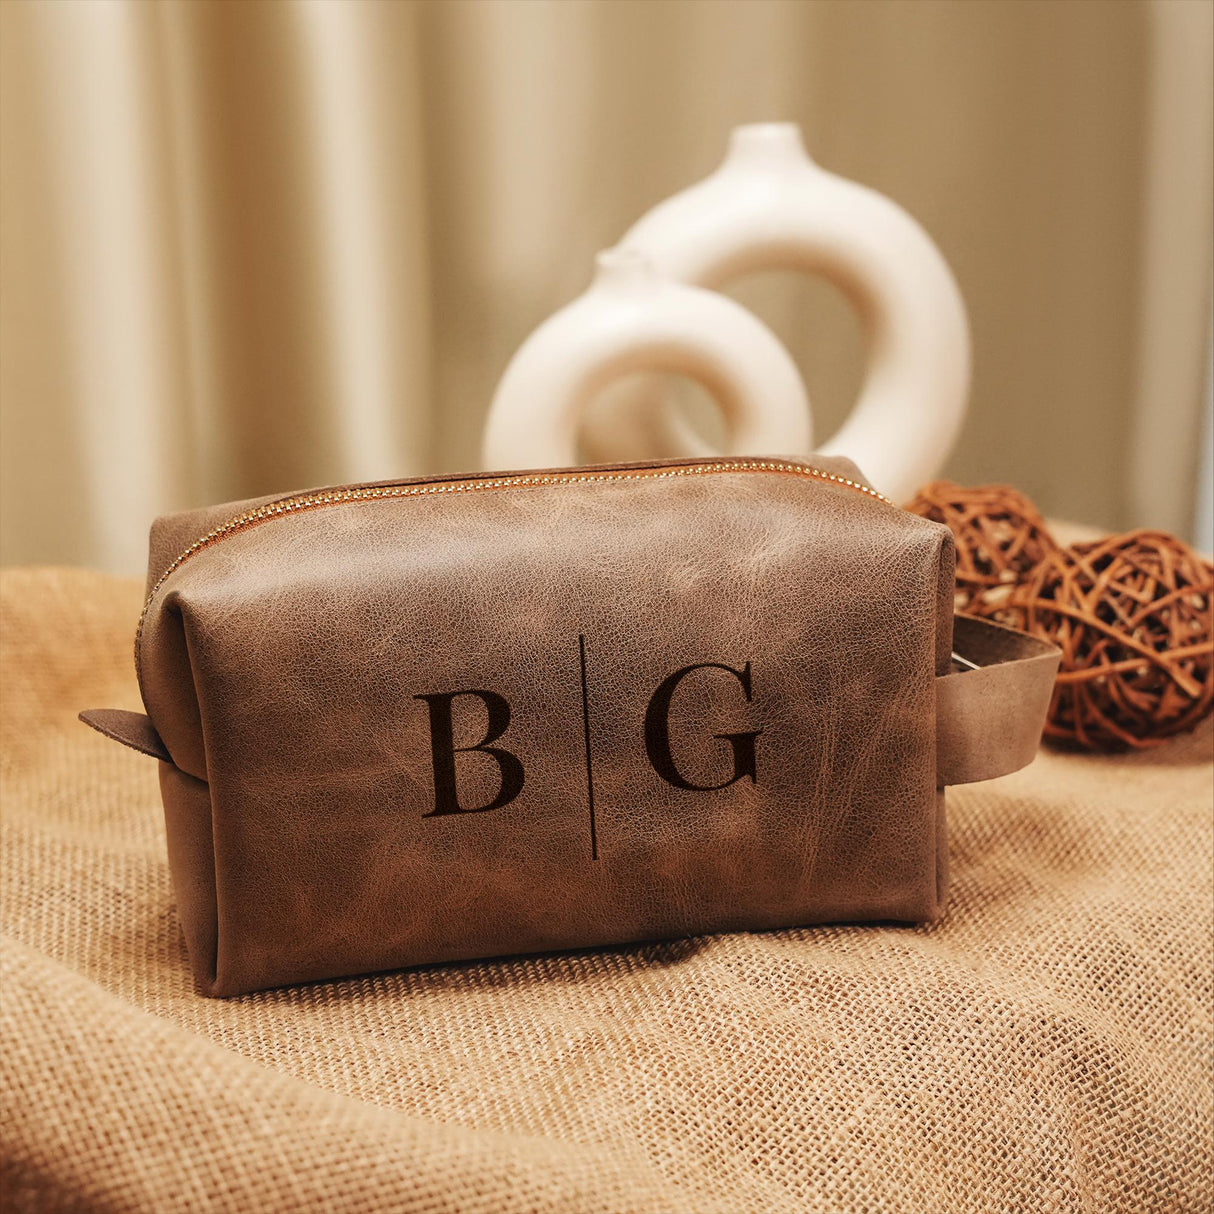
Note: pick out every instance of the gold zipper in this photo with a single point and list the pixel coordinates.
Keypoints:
(336, 497)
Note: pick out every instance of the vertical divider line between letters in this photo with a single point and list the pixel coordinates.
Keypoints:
(594, 843)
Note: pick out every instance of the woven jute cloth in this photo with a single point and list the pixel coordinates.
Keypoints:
(1046, 1047)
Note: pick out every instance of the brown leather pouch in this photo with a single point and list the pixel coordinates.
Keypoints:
(436, 720)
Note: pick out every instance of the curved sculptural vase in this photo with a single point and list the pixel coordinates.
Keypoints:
(630, 320)
(768, 207)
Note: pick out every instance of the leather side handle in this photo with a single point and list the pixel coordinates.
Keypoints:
(989, 719)
(132, 729)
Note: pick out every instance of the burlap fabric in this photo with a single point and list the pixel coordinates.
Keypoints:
(1046, 1047)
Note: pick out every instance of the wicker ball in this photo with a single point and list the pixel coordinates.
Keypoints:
(1134, 617)
(1001, 540)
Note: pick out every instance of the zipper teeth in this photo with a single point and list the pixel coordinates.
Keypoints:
(335, 497)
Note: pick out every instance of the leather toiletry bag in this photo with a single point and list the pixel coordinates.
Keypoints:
(434, 720)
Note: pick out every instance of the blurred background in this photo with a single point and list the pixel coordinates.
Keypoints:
(248, 248)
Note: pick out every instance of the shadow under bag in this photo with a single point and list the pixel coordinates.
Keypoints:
(433, 720)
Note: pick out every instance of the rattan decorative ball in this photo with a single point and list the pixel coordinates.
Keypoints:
(1134, 617)
(1001, 540)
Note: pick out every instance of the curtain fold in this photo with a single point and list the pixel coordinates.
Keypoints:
(251, 248)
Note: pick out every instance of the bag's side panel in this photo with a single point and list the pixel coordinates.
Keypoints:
(187, 813)
(169, 690)
(945, 598)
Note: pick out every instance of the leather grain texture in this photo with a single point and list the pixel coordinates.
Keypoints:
(719, 714)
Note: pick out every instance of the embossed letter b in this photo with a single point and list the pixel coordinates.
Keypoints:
(443, 749)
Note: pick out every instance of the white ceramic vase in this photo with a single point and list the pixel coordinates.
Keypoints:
(631, 319)
(768, 206)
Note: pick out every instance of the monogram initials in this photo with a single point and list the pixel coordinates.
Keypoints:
(655, 728)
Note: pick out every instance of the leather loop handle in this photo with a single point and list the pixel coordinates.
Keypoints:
(132, 729)
(989, 720)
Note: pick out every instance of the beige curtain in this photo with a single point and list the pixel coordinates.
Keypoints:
(255, 247)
